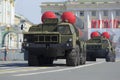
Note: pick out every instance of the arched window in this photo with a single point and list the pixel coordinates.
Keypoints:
(11, 40)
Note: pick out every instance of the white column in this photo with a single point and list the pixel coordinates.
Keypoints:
(100, 17)
(9, 13)
(12, 12)
(3, 13)
(6, 12)
(88, 20)
(76, 13)
(112, 17)
(1, 6)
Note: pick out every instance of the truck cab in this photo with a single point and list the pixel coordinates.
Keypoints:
(54, 40)
(100, 47)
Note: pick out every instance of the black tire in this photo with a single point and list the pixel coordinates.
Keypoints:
(32, 60)
(84, 54)
(84, 60)
(73, 58)
(110, 57)
(82, 57)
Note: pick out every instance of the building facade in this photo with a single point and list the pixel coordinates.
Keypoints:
(10, 25)
(7, 12)
(97, 13)
(11, 31)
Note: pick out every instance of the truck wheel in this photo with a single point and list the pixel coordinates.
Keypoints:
(82, 58)
(32, 60)
(110, 57)
(84, 55)
(73, 58)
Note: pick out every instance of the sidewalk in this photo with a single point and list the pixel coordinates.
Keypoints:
(12, 55)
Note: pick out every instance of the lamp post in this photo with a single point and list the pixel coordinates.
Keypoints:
(8, 27)
(8, 37)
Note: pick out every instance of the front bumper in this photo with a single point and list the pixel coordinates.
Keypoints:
(32, 45)
(51, 50)
(97, 53)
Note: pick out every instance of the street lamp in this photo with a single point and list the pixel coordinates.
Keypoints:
(8, 27)
(8, 37)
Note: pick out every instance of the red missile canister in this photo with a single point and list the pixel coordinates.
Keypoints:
(106, 35)
(68, 17)
(48, 14)
(94, 34)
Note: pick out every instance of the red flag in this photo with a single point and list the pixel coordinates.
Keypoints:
(93, 24)
(106, 23)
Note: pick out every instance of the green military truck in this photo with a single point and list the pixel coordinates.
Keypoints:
(54, 40)
(100, 47)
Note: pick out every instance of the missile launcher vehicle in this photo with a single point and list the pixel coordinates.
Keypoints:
(54, 39)
(99, 46)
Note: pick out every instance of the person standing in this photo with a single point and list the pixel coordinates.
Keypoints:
(5, 53)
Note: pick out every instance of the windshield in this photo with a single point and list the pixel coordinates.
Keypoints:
(95, 41)
(63, 29)
(104, 41)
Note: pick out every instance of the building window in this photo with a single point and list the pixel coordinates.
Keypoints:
(117, 12)
(81, 13)
(105, 13)
(93, 13)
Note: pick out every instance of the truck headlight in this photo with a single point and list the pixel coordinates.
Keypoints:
(107, 50)
(25, 40)
(27, 45)
(67, 44)
(70, 39)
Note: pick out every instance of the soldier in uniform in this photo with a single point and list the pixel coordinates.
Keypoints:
(5, 53)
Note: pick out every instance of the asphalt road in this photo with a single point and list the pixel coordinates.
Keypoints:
(99, 70)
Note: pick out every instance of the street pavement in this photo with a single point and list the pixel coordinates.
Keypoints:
(99, 70)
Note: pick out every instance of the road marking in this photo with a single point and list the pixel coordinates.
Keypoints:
(9, 68)
(65, 69)
(59, 70)
(25, 69)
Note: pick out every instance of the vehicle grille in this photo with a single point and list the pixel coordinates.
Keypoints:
(42, 38)
(93, 46)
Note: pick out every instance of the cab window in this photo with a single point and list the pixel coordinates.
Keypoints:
(95, 41)
(104, 41)
(64, 29)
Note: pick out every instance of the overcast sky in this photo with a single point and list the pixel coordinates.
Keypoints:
(31, 9)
